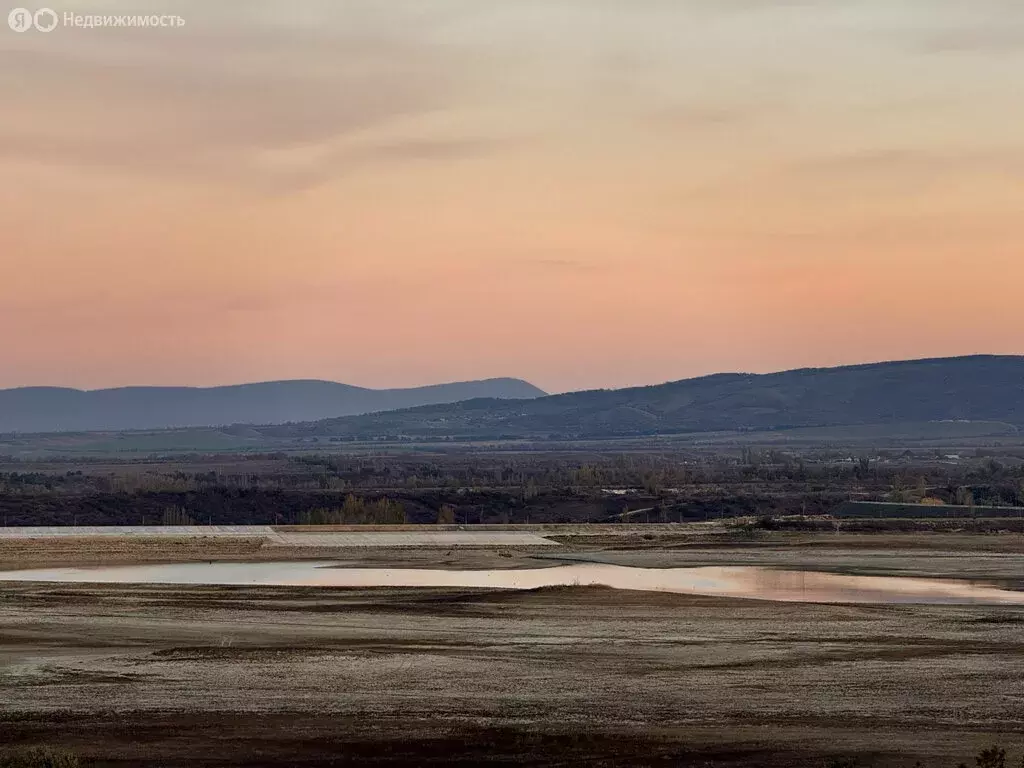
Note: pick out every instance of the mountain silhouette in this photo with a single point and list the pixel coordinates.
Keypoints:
(55, 409)
(981, 388)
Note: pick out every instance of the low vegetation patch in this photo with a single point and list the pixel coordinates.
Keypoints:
(993, 757)
(40, 757)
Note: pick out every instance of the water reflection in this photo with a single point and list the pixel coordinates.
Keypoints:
(737, 581)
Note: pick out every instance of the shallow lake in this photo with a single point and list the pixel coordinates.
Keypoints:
(732, 581)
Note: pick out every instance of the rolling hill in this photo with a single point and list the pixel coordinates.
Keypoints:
(55, 409)
(980, 388)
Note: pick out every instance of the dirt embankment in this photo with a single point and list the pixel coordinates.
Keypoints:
(656, 546)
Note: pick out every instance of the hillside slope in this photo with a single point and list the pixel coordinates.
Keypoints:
(966, 388)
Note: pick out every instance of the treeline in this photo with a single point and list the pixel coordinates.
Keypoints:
(214, 506)
(492, 488)
(880, 473)
(356, 511)
(232, 506)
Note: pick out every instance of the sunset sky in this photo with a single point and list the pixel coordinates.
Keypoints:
(582, 193)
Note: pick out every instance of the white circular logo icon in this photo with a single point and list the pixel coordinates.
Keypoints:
(45, 19)
(20, 19)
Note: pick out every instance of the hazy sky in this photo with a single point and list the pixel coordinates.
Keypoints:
(578, 192)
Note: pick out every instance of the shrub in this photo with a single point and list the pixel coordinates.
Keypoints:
(446, 515)
(991, 758)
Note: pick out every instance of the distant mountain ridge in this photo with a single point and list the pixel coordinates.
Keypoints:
(978, 388)
(56, 409)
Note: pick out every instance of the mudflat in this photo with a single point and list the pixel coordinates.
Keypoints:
(305, 676)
